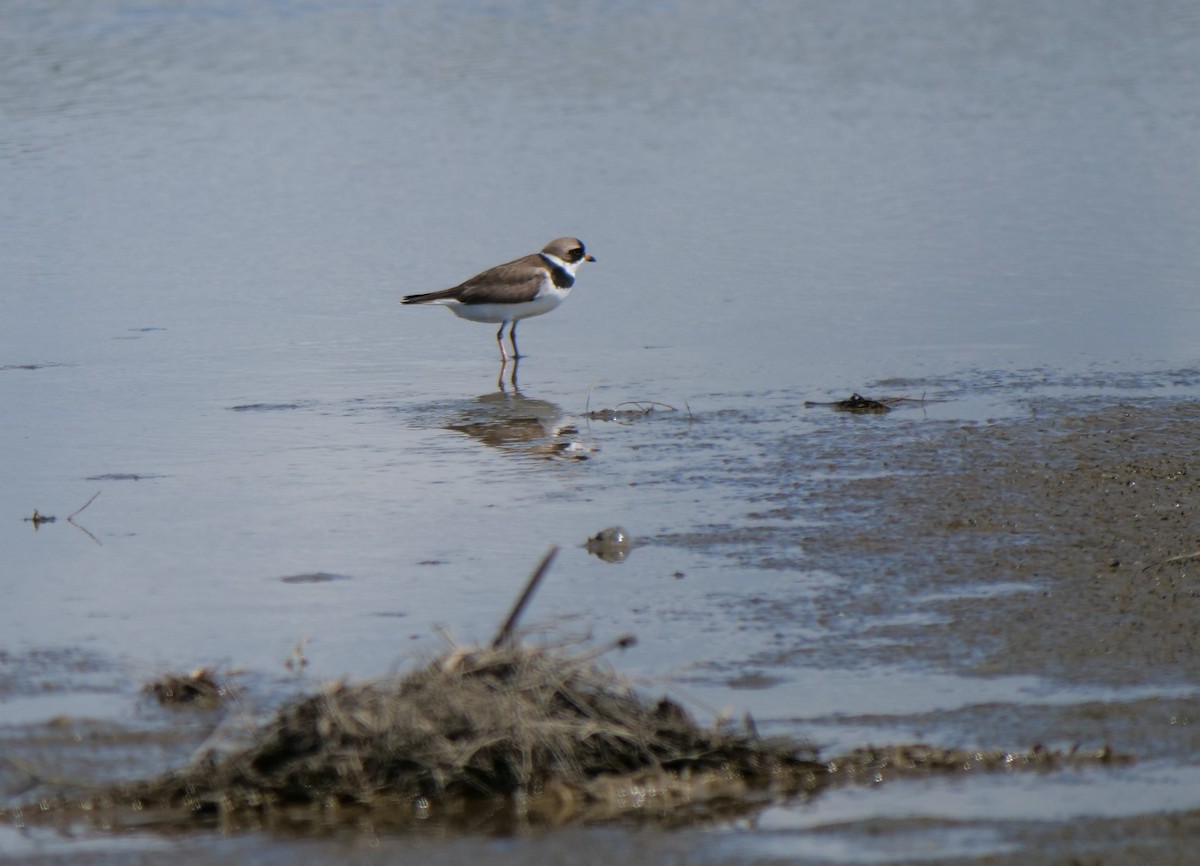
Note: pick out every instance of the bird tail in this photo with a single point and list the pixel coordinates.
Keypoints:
(427, 297)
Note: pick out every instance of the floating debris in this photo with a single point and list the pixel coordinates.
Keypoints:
(854, 403)
(38, 519)
(268, 407)
(199, 688)
(859, 404)
(314, 577)
(638, 409)
(611, 545)
(123, 476)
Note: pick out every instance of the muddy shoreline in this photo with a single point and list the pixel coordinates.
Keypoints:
(1093, 517)
(1064, 545)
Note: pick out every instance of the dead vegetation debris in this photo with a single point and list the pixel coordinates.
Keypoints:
(610, 545)
(199, 689)
(631, 410)
(539, 724)
(535, 734)
(880, 763)
(858, 404)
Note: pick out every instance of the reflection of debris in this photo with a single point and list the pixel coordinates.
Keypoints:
(638, 409)
(199, 689)
(611, 545)
(859, 404)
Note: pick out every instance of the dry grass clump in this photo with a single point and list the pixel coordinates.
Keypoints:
(200, 689)
(537, 723)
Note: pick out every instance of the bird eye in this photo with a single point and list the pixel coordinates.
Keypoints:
(576, 254)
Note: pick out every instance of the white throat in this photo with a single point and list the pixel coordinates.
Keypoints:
(569, 267)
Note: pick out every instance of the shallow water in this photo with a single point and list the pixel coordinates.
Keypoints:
(209, 211)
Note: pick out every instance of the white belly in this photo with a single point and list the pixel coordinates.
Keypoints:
(549, 298)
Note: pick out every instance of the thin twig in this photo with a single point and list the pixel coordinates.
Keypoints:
(1179, 558)
(86, 504)
(531, 585)
(647, 404)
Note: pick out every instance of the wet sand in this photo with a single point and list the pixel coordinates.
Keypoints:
(1096, 511)
(1084, 521)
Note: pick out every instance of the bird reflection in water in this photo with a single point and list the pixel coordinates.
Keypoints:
(508, 420)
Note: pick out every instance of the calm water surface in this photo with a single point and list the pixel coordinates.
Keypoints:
(209, 210)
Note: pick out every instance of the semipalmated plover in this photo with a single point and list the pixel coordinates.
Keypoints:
(529, 286)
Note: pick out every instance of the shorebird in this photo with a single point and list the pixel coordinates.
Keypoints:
(529, 286)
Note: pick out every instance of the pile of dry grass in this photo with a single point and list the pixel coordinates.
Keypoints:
(541, 724)
(200, 688)
(511, 733)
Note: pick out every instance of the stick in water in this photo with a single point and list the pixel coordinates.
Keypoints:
(531, 585)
